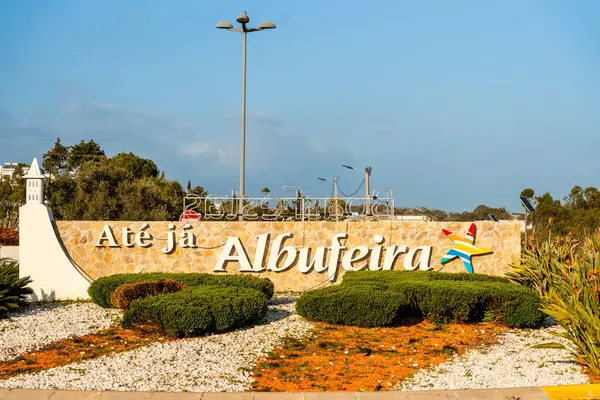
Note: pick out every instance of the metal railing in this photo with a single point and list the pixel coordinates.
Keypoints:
(225, 208)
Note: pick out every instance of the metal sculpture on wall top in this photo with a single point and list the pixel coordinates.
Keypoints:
(218, 208)
(464, 248)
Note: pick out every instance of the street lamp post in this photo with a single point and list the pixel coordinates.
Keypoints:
(335, 193)
(243, 19)
(367, 188)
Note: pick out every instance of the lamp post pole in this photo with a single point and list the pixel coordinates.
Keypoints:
(243, 130)
(367, 188)
(243, 19)
(368, 191)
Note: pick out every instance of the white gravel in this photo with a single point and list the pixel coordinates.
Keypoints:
(212, 363)
(223, 362)
(511, 363)
(41, 324)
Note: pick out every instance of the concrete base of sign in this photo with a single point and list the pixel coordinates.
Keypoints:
(43, 258)
(529, 393)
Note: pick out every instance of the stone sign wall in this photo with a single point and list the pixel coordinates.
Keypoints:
(153, 252)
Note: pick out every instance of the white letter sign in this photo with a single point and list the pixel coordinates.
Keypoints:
(234, 245)
(422, 263)
(107, 234)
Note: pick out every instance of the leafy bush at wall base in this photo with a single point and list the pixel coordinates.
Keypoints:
(101, 289)
(13, 289)
(380, 302)
(199, 310)
(127, 293)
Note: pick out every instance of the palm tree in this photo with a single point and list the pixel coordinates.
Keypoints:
(266, 191)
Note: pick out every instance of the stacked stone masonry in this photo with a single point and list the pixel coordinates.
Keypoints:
(80, 237)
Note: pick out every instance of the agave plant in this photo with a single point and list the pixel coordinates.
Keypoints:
(540, 263)
(572, 299)
(13, 290)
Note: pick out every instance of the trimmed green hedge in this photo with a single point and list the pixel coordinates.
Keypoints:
(375, 299)
(199, 310)
(101, 289)
(389, 277)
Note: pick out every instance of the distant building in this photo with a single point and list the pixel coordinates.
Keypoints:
(8, 169)
(413, 218)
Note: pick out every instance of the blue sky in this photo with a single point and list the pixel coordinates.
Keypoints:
(452, 103)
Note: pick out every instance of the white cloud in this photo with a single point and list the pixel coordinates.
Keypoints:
(205, 151)
(197, 148)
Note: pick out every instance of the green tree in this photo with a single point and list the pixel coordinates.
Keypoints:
(12, 196)
(84, 152)
(592, 197)
(529, 193)
(549, 217)
(138, 167)
(436, 215)
(482, 212)
(6, 207)
(298, 202)
(95, 196)
(198, 191)
(148, 199)
(55, 160)
(576, 198)
(102, 191)
(265, 191)
(60, 194)
(123, 187)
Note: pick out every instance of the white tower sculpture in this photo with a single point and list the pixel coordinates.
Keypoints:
(35, 184)
(42, 256)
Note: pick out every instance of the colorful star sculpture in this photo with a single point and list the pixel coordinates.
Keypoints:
(464, 248)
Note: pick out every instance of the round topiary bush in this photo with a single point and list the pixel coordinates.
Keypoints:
(366, 306)
(101, 289)
(199, 310)
(185, 304)
(383, 297)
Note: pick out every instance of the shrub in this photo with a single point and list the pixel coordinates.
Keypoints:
(358, 306)
(127, 293)
(12, 288)
(451, 301)
(540, 264)
(101, 289)
(198, 310)
(568, 277)
(388, 277)
(378, 302)
(9, 237)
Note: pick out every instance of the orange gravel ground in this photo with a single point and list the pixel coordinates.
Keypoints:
(334, 358)
(82, 348)
(338, 358)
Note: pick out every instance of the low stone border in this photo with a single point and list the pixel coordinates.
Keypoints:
(548, 392)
